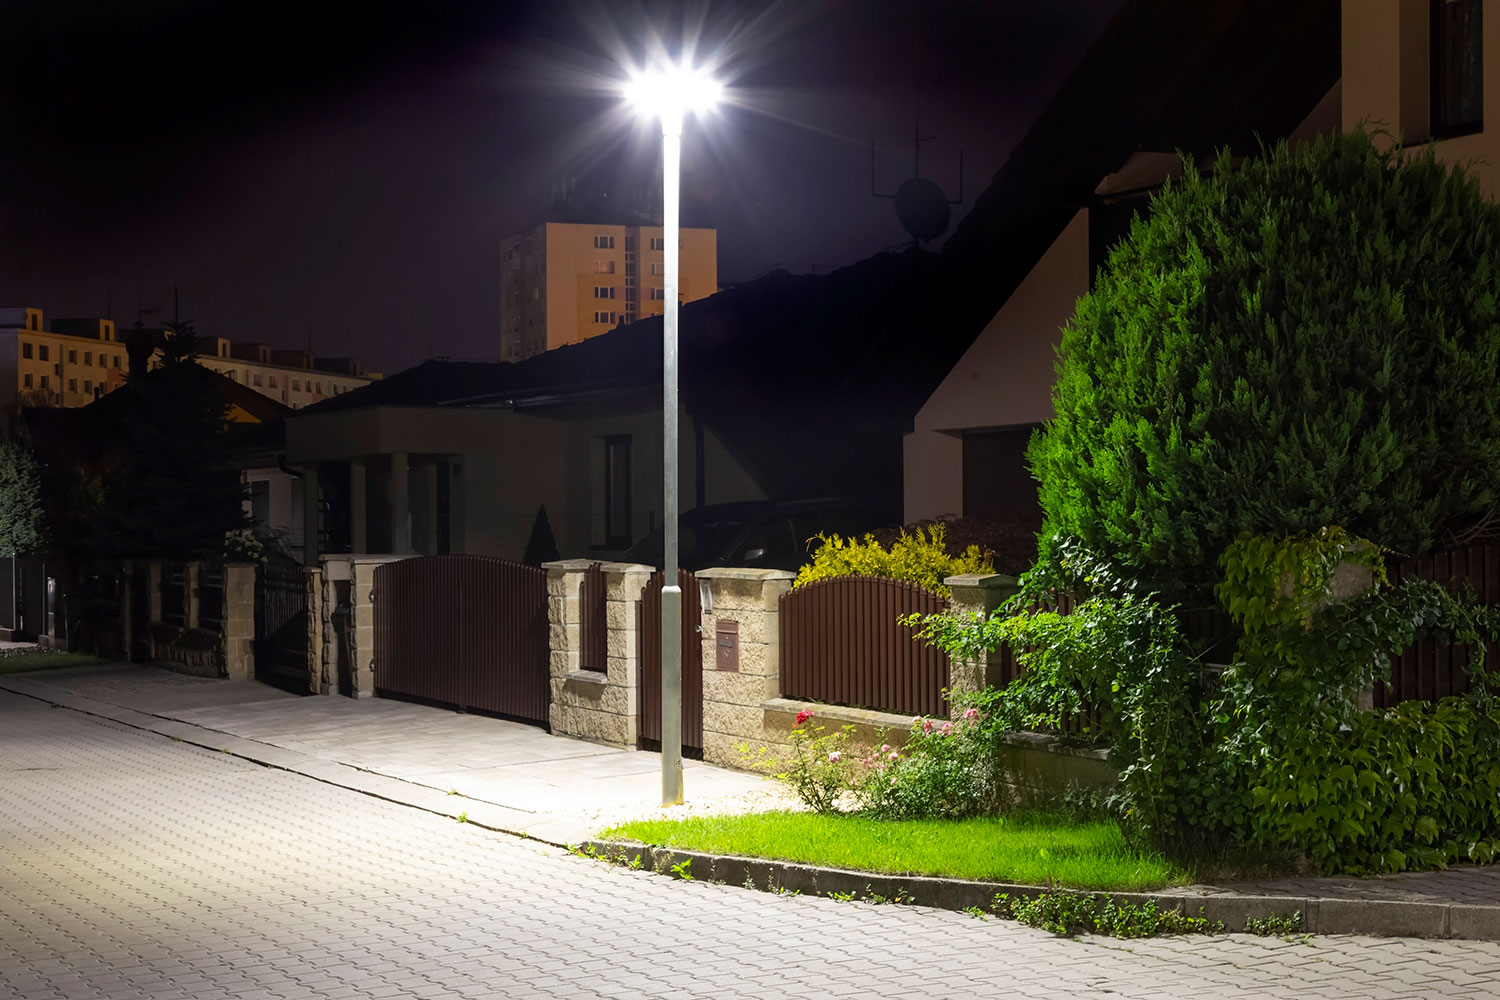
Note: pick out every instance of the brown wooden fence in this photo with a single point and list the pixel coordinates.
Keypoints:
(1430, 669)
(648, 632)
(841, 644)
(593, 631)
(464, 630)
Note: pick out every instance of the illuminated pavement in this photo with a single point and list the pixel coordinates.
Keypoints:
(132, 866)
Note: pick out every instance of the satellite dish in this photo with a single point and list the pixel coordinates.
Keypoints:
(921, 206)
(922, 209)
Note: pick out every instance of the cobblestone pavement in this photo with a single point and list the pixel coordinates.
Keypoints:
(135, 867)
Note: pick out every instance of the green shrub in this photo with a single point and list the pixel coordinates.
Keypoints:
(1085, 913)
(919, 557)
(946, 770)
(1306, 338)
(822, 767)
(1417, 786)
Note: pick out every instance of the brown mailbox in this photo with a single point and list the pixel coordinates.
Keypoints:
(727, 645)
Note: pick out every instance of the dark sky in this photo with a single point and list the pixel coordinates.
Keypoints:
(350, 176)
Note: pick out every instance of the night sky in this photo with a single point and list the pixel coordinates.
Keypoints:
(349, 178)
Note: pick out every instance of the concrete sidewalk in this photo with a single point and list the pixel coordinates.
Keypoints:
(507, 775)
(518, 779)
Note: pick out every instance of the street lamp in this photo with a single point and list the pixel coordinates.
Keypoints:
(670, 93)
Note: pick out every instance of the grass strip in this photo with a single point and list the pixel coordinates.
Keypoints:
(1025, 848)
(46, 659)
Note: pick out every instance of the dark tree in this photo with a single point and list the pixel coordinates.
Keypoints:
(23, 522)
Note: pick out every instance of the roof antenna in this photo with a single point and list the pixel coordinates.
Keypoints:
(921, 206)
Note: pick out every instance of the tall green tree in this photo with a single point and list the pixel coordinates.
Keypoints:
(23, 522)
(1306, 338)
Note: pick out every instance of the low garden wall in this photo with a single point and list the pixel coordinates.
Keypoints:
(180, 635)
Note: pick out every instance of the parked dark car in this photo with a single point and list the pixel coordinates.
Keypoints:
(759, 534)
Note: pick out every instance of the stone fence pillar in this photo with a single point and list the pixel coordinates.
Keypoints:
(153, 591)
(238, 635)
(313, 575)
(741, 661)
(336, 609)
(597, 705)
(192, 575)
(978, 593)
(362, 597)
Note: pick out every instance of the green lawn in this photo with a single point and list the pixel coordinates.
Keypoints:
(1022, 848)
(46, 659)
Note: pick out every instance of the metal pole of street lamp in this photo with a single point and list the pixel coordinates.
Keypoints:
(671, 593)
(670, 95)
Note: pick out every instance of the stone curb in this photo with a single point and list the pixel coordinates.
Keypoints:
(1320, 915)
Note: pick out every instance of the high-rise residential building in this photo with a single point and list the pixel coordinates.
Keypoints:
(72, 362)
(563, 282)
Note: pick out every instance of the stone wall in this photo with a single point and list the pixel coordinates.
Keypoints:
(228, 652)
(357, 573)
(597, 705)
(738, 703)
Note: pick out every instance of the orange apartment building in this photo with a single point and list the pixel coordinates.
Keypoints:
(563, 282)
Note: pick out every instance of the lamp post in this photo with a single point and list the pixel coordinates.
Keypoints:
(669, 94)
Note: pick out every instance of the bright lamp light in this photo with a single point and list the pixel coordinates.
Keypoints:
(670, 92)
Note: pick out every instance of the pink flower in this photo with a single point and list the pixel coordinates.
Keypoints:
(803, 716)
(834, 757)
(893, 782)
(916, 720)
(971, 713)
(885, 748)
(927, 726)
(894, 755)
(947, 729)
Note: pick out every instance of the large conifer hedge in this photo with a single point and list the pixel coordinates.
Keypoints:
(1303, 339)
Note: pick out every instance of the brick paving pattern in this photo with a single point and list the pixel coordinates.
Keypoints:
(135, 867)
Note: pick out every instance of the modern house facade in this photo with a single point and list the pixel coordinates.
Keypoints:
(563, 282)
(1423, 71)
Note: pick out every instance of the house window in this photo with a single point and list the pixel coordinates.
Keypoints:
(257, 378)
(72, 356)
(26, 380)
(617, 491)
(1457, 56)
(658, 294)
(604, 242)
(34, 324)
(658, 243)
(25, 350)
(116, 360)
(88, 385)
(296, 385)
(44, 381)
(656, 268)
(273, 381)
(72, 385)
(42, 352)
(604, 317)
(604, 267)
(604, 292)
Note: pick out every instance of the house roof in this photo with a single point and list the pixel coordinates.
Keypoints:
(867, 344)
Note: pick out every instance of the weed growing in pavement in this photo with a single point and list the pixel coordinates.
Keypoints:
(684, 869)
(842, 897)
(1276, 925)
(976, 913)
(1083, 913)
(749, 881)
(453, 791)
(463, 817)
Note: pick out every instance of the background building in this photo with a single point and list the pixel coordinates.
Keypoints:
(72, 362)
(563, 282)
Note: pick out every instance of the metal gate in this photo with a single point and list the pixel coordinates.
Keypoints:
(648, 629)
(461, 630)
(281, 622)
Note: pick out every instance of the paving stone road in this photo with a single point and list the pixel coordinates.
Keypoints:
(135, 867)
